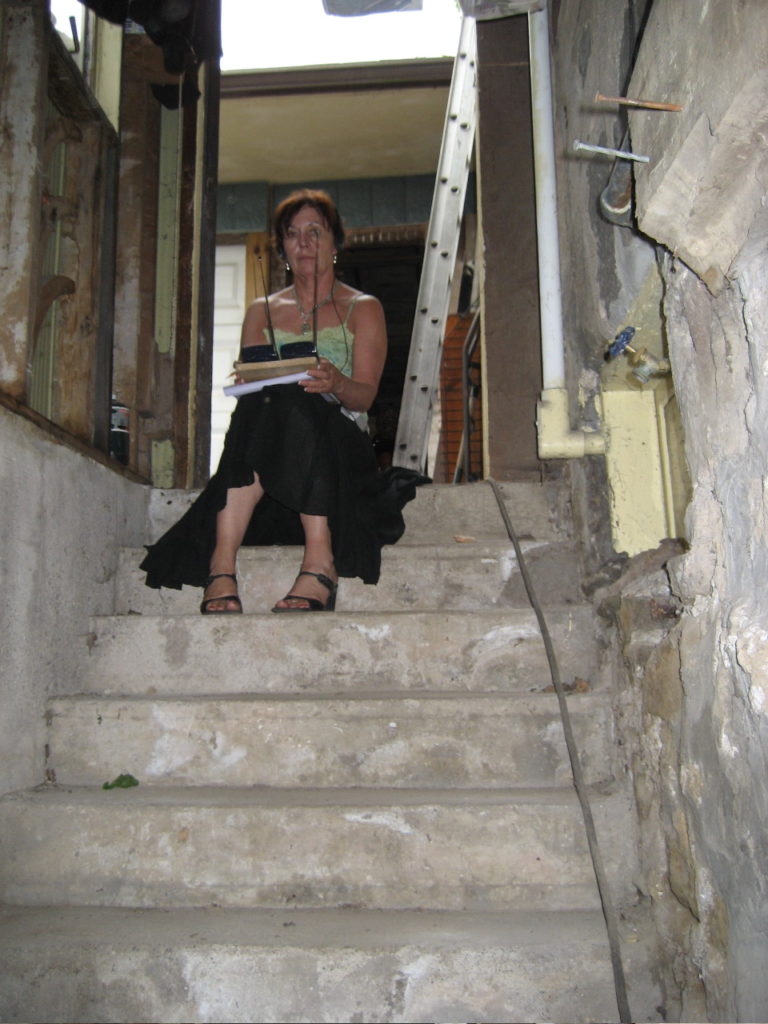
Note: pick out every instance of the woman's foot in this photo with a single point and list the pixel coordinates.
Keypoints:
(313, 591)
(220, 595)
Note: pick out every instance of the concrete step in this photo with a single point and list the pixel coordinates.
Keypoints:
(334, 652)
(438, 514)
(433, 739)
(111, 964)
(511, 849)
(477, 573)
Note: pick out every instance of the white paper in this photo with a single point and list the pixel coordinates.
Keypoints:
(235, 390)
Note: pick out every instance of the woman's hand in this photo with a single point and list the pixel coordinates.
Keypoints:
(324, 379)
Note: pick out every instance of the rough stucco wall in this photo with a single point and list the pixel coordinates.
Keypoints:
(695, 705)
(707, 172)
(62, 518)
(719, 348)
(703, 197)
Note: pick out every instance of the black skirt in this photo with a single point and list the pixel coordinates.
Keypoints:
(310, 458)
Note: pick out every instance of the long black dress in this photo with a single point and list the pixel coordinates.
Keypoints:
(309, 457)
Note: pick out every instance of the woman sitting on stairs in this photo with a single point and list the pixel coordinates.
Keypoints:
(298, 466)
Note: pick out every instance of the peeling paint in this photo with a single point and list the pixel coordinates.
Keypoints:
(727, 747)
(502, 636)
(375, 633)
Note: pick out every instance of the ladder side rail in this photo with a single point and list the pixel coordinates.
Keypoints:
(422, 372)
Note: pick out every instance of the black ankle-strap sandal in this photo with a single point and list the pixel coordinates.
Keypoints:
(313, 605)
(204, 607)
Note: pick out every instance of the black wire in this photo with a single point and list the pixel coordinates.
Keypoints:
(347, 355)
(609, 912)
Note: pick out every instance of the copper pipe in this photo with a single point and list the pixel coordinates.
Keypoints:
(637, 103)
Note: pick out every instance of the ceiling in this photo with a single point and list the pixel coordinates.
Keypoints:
(334, 123)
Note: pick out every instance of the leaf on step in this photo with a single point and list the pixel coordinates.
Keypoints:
(463, 540)
(124, 781)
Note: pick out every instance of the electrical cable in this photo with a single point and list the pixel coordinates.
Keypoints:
(609, 912)
(464, 456)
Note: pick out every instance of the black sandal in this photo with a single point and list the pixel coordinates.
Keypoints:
(312, 602)
(224, 597)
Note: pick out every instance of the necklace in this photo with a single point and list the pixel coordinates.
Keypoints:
(306, 315)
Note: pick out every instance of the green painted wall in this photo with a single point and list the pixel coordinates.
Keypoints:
(245, 207)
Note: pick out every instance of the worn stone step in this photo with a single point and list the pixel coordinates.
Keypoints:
(431, 740)
(213, 965)
(521, 849)
(334, 652)
(438, 513)
(474, 574)
(441, 511)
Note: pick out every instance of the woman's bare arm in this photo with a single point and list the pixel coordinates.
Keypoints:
(254, 321)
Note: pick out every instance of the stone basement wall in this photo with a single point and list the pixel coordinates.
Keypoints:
(690, 631)
(693, 651)
(719, 347)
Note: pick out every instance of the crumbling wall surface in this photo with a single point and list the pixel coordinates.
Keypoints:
(719, 348)
(694, 704)
(694, 709)
(706, 177)
(702, 196)
(62, 518)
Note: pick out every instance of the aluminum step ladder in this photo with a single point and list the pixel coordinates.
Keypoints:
(422, 372)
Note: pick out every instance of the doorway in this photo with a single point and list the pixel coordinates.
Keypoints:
(391, 272)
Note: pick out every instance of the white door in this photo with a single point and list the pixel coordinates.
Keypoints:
(228, 311)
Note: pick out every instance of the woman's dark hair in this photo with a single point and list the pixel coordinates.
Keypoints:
(290, 206)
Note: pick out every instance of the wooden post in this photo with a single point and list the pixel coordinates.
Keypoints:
(23, 77)
(510, 324)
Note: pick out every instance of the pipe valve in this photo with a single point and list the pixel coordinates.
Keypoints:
(644, 364)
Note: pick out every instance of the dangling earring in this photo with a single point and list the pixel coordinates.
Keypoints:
(287, 266)
(335, 257)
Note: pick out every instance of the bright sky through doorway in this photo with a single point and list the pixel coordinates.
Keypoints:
(260, 34)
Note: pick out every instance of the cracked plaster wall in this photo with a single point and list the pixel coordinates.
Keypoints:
(694, 704)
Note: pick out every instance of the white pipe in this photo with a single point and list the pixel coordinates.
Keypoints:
(556, 439)
(550, 297)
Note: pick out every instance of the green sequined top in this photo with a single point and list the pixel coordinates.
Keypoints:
(334, 343)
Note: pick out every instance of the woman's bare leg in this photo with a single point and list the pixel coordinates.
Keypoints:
(318, 557)
(231, 524)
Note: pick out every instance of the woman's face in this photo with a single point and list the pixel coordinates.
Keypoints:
(308, 238)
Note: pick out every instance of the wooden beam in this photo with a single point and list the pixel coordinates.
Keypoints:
(23, 73)
(207, 271)
(338, 78)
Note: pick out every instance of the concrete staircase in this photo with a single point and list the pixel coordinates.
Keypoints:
(360, 816)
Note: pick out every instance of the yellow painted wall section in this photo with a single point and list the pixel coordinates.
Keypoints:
(635, 475)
